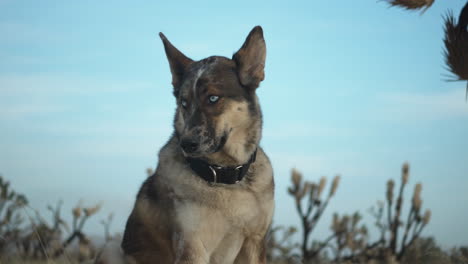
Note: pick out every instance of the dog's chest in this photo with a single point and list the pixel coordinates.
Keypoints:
(240, 204)
(218, 219)
(221, 231)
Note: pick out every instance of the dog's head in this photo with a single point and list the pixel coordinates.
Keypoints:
(217, 108)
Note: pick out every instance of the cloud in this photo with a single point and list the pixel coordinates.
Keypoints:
(22, 33)
(306, 163)
(34, 84)
(424, 106)
(9, 112)
(25, 95)
(306, 129)
(9, 59)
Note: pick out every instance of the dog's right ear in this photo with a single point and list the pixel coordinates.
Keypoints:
(250, 59)
(177, 61)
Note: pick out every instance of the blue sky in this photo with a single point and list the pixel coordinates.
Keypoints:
(352, 88)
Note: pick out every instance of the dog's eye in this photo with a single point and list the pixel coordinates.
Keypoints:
(183, 103)
(213, 99)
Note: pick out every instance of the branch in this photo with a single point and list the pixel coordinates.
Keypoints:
(396, 220)
(409, 223)
(415, 236)
(324, 244)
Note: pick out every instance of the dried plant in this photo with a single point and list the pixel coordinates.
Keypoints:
(349, 236)
(456, 45)
(58, 222)
(44, 239)
(10, 216)
(80, 216)
(310, 206)
(280, 247)
(106, 223)
(391, 245)
(411, 4)
(40, 239)
(459, 255)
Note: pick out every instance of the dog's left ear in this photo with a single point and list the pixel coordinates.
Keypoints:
(250, 59)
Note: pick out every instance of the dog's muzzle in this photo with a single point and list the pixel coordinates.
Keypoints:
(189, 145)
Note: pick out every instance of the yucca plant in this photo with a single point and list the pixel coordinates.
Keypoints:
(44, 239)
(349, 235)
(280, 247)
(310, 205)
(456, 45)
(106, 223)
(80, 216)
(397, 236)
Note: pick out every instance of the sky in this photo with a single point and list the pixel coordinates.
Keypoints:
(352, 88)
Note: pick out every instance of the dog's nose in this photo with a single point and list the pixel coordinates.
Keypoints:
(189, 145)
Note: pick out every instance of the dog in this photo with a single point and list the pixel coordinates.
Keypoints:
(211, 198)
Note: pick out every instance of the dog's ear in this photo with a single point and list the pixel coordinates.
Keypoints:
(177, 61)
(250, 59)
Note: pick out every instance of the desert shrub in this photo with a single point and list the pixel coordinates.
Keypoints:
(11, 218)
(310, 204)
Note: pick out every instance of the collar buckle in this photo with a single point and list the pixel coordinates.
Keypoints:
(215, 176)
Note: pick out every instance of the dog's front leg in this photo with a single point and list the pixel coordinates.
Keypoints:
(189, 250)
(253, 251)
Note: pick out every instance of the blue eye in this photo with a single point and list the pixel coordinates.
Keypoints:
(213, 99)
(184, 103)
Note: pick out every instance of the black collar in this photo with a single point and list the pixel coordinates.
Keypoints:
(217, 174)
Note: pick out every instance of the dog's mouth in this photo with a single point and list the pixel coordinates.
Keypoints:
(222, 142)
(198, 150)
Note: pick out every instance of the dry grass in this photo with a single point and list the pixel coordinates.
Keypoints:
(411, 4)
(456, 48)
(55, 261)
